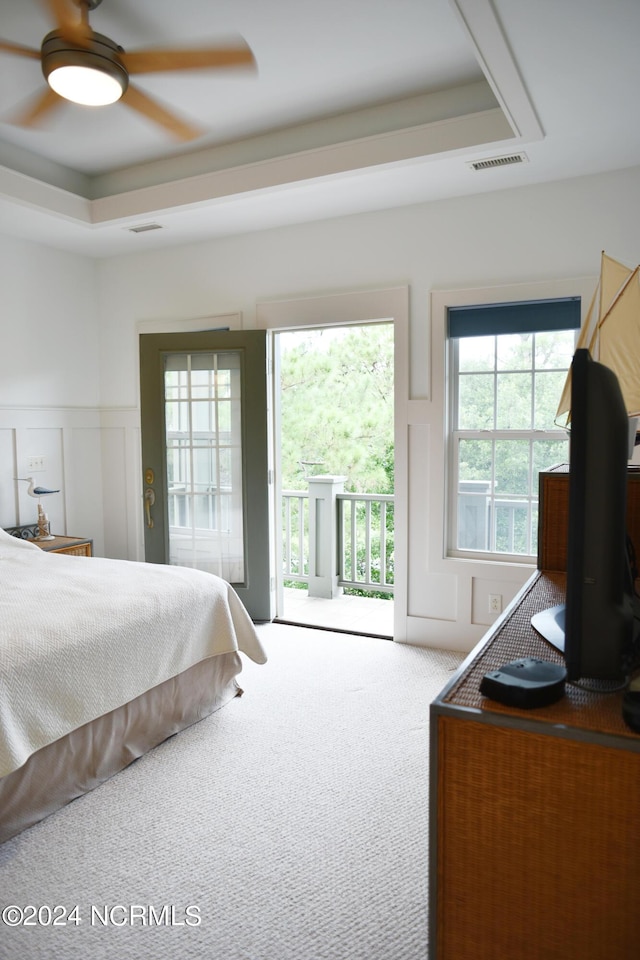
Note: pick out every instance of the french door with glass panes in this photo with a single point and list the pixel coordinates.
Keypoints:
(205, 457)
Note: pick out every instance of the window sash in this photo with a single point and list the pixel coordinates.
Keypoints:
(495, 506)
(488, 505)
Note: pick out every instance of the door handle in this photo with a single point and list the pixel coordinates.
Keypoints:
(149, 500)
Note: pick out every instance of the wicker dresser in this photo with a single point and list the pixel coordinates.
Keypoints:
(534, 814)
(553, 517)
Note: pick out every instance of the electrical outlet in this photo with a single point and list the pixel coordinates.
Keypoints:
(35, 464)
(495, 603)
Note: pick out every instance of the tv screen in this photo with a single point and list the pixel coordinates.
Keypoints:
(595, 627)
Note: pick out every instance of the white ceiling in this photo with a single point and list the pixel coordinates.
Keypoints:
(356, 105)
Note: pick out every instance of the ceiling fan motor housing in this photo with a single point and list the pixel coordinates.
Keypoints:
(100, 53)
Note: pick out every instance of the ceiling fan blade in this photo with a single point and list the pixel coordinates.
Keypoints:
(154, 61)
(70, 26)
(19, 50)
(148, 107)
(37, 108)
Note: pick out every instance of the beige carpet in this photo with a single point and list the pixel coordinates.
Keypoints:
(292, 824)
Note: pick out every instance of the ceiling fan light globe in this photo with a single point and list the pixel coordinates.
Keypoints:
(86, 85)
(91, 74)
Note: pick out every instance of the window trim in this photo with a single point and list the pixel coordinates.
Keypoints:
(495, 319)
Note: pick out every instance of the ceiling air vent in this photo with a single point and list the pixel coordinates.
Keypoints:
(492, 162)
(144, 227)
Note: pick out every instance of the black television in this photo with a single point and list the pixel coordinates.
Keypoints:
(596, 626)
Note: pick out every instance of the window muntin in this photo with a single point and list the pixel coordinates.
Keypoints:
(203, 417)
(505, 391)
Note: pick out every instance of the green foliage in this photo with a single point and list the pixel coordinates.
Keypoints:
(336, 390)
(337, 406)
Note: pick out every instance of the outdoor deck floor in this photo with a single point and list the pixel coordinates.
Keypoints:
(366, 615)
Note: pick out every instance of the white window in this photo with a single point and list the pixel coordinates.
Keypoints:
(507, 368)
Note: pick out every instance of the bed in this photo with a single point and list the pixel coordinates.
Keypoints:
(101, 660)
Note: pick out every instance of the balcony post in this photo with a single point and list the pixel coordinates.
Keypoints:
(323, 536)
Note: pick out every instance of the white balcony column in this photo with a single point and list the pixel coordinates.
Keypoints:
(323, 536)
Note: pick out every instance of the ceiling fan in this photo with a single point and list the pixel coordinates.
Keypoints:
(86, 67)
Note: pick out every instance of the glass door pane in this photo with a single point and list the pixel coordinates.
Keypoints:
(203, 417)
(207, 487)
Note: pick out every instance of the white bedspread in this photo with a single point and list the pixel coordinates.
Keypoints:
(81, 636)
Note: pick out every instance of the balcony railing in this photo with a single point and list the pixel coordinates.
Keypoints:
(333, 539)
(295, 530)
(365, 524)
(492, 524)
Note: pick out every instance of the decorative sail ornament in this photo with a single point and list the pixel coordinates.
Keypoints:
(611, 333)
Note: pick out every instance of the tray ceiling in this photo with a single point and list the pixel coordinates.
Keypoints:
(355, 106)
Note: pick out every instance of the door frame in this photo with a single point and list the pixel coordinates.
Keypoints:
(257, 589)
(359, 308)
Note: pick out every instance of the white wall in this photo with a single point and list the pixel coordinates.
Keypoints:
(49, 327)
(542, 233)
(54, 350)
(49, 387)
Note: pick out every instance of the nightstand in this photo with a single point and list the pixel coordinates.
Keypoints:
(73, 545)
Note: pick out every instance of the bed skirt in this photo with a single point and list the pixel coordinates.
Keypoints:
(86, 757)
